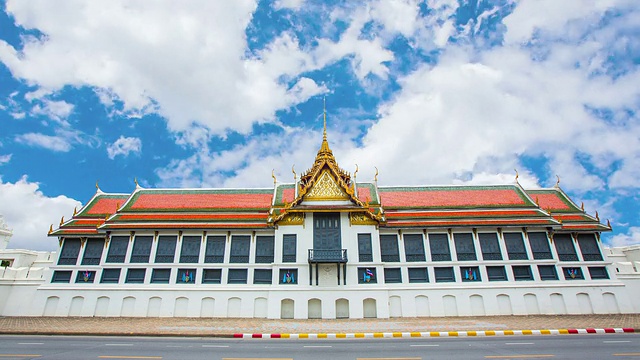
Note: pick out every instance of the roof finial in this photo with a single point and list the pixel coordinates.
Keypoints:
(273, 175)
(582, 206)
(355, 172)
(293, 170)
(517, 175)
(324, 115)
(375, 177)
(135, 180)
(50, 228)
(557, 181)
(597, 216)
(98, 188)
(75, 210)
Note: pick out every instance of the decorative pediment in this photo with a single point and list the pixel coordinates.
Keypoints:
(361, 218)
(326, 188)
(292, 219)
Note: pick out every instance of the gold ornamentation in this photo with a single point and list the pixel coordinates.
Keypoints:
(557, 181)
(375, 177)
(517, 175)
(361, 218)
(326, 188)
(292, 219)
(75, 211)
(61, 220)
(273, 175)
(50, 228)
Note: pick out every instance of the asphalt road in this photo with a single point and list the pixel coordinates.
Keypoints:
(613, 346)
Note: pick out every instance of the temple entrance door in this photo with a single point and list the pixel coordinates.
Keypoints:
(326, 231)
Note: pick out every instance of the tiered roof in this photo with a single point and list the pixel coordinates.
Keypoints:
(565, 211)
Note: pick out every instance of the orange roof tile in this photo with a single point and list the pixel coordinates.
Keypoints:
(451, 198)
(201, 201)
(550, 201)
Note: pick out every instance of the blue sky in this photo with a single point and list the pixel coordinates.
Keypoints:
(217, 94)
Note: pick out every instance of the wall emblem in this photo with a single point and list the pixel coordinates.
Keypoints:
(288, 278)
(367, 276)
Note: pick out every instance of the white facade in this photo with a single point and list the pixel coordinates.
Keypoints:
(27, 288)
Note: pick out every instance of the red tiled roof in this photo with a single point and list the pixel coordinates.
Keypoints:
(187, 226)
(550, 201)
(458, 214)
(105, 206)
(571, 217)
(183, 216)
(364, 194)
(451, 198)
(201, 201)
(288, 195)
(478, 222)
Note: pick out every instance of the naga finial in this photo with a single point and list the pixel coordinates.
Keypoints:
(557, 181)
(61, 220)
(135, 181)
(375, 177)
(273, 175)
(50, 228)
(582, 206)
(517, 175)
(608, 223)
(293, 170)
(355, 172)
(75, 210)
(597, 216)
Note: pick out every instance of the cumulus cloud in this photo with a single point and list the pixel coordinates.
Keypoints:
(54, 143)
(4, 159)
(124, 146)
(29, 213)
(630, 238)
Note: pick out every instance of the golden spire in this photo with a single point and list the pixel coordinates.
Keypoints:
(324, 115)
(557, 181)
(517, 175)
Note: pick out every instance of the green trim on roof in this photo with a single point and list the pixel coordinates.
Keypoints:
(85, 209)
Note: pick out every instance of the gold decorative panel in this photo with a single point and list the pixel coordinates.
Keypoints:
(326, 188)
(292, 219)
(360, 218)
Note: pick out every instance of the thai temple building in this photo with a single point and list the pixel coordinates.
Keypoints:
(325, 246)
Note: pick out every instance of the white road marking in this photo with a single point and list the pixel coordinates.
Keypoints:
(519, 343)
(616, 341)
(118, 344)
(216, 346)
(317, 346)
(30, 343)
(426, 345)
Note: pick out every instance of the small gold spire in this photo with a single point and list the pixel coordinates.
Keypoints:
(97, 187)
(135, 181)
(293, 170)
(273, 175)
(557, 181)
(375, 177)
(597, 216)
(537, 201)
(61, 220)
(355, 172)
(324, 113)
(75, 211)
(582, 206)
(608, 223)
(50, 228)
(517, 175)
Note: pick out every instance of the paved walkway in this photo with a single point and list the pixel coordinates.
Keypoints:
(226, 327)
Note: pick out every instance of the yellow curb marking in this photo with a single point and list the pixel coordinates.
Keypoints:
(303, 336)
(527, 332)
(415, 334)
(341, 336)
(322, 336)
(359, 335)
(508, 332)
(285, 336)
(397, 334)
(434, 334)
(545, 332)
(453, 333)
(472, 333)
(563, 331)
(378, 335)
(490, 333)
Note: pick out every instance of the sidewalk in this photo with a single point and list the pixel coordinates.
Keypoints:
(228, 327)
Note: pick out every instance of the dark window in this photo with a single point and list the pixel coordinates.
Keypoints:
(470, 273)
(548, 272)
(262, 276)
(214, 253)
(141, 249)
(240, 245)
(490, 246)
(573, 273)
(392, 275)
(515, 246)
(365, 251)
(522, 272)
(93, 252)
(110, 276)
(190, 252)
(598, 272)
(367, 275)
(166, 249)
(389, 248)
(69, 252)
(540, 245)
(289, 248)
(264, 249)
(439, 245)
(61, 276)
(414, 247)
(237, 276)
(160, 276)
(326, 231)
(85, 276)
(135, 276)
(288, 276)
(444, 274)
(418, 275)
(564, 246)
(212, 276)
(496, 273)
(117, 249)
(186, 276)
(464, 246)
(589, 247)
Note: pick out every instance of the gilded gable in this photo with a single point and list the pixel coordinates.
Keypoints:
(326, 188)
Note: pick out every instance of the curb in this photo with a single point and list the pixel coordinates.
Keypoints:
(425, 334)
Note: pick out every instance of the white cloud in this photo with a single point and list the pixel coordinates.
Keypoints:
(4, 159)
(630, 238)
(288, 4)
(54, 143)
(29, 213)
(124, 146)
(55, 110)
